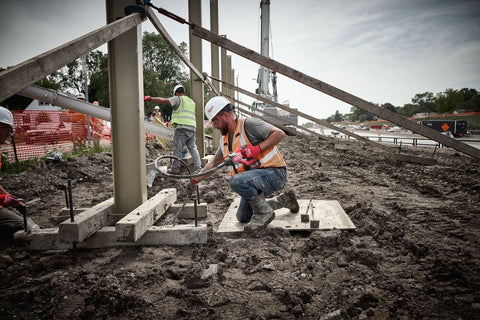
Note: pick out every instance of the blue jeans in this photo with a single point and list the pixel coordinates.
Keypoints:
(181, 138)
(249, 184)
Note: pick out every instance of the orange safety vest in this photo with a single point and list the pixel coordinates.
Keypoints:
(267, 158)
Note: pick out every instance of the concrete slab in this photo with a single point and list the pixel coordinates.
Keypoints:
(136, 223)
(188, 212)
(329, 214)
(86, 223)
(48, 239)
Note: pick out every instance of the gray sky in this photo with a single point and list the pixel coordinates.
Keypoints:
(379, 50)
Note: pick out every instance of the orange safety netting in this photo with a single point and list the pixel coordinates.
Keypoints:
(39, 132)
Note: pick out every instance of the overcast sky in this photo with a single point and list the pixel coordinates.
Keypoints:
(379, 50)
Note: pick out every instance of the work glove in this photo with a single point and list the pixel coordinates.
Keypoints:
(147, 98)
(249, 151)
(7, 200)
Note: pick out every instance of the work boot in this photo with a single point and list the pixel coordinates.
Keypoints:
(262, 213)
(286, 199)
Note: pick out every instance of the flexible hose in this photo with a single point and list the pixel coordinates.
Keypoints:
(188, 176)
(185, 176)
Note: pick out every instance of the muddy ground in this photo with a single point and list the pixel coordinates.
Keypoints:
(415, 253)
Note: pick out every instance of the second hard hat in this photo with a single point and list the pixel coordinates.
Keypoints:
(6, 116)
(157, 108)
(215, 105)
(178, 86)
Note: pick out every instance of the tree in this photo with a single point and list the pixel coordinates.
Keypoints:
(388, 106)
(98, 88)
(162, 68)
(448, 101)
(425, 102)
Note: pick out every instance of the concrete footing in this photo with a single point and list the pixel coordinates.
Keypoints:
(48, 239)
(93, 227)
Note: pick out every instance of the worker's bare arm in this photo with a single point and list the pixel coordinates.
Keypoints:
(217, 160)
(274, 138)
(160, 100)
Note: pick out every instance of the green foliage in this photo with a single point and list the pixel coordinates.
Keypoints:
(82, 148)
(464, 100)
(16, 167)
(161, 59)
(162, 69)
(98, 88)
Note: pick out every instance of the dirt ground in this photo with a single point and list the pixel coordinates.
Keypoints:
(415, 253)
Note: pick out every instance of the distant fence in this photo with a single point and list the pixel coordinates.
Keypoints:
(37, 133)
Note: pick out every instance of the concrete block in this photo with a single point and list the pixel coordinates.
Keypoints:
(188, 211)
(86, 223)
(136, 223)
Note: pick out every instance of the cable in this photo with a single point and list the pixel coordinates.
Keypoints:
(188, 176)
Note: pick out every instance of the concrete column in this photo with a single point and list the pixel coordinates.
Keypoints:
(229, 74)
(126, 106)
(196, 85)
(223, 61)
(215, 62)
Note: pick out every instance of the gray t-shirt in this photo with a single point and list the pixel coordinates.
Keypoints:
(257, 131)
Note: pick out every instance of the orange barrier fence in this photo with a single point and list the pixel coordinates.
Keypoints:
(39, 132)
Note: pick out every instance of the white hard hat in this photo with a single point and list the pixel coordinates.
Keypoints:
(178, 86)
(80, 96)
(214, 106)
(6, 116)
(157, 108)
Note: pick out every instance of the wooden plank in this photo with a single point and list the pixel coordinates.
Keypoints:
(137, 222)
(163, 32)
(28, 72)
(86, 223)
(306, 116)
(48, 239)
(293, 131)
(333, 91)
(329, 213)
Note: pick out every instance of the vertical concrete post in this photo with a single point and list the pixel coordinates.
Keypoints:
(215, 62)
(229, 74)
(126, 106)
(223, 61)
(196, 85)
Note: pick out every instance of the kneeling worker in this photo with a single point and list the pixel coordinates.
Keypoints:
(262, 170)
(10, 222)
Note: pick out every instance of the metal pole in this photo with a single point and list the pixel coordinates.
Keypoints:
(72, 219)
(14, 149)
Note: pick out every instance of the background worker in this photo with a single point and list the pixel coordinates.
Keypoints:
(157, 114)
(184, 124)
(10, 222)
(259, 168)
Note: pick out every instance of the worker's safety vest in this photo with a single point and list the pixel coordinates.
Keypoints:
(266, 159)
(185, 113)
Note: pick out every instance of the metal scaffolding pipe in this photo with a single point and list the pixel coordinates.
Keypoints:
(60, 99)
